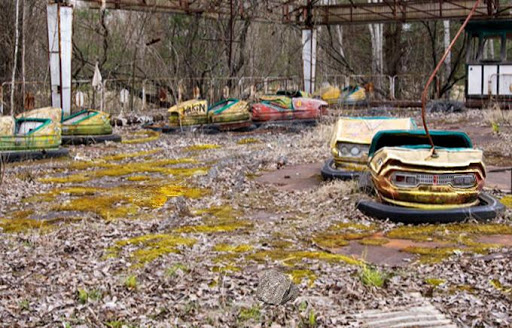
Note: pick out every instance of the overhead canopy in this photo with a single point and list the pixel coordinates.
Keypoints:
(489, 27)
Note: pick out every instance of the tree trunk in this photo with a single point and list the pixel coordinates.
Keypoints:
(23, 67)
(376, 34)
(15, 61)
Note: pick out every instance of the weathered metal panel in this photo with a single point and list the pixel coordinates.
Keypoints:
(60, 24)
(474, 80)
(66, 53)
(429, 196)
(54, 53)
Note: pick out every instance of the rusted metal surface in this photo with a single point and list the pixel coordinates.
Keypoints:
(387, 11)
(277, 11)
(196, 112)
(418, 161)
(282, 108)
(358, 132)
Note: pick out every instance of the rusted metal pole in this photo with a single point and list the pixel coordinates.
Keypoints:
(424, 95)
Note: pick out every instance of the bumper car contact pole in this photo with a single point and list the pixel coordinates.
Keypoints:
(434, 73)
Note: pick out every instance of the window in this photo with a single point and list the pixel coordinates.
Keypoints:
(491, 49)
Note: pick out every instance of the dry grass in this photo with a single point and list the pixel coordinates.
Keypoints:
(496, 116)
(319, 136)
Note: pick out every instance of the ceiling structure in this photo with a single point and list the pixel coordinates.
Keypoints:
(309, 13)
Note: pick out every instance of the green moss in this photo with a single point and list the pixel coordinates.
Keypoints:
(373, 241)
(507, 201)
(150, 247)
(435, 281)
(373, 277)
(247, 314)
(202, 147)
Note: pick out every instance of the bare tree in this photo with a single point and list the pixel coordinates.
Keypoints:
(15, 60)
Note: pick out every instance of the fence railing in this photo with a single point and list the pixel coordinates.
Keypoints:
(122, 95)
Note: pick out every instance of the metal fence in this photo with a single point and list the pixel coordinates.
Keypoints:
(133, 95)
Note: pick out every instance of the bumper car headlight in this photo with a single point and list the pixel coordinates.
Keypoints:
(351, 150)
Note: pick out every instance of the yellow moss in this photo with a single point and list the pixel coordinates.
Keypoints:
(461, 288)
(76, 178)
(78, 191)
(120, 157)
(507, 201)
(202, 147)
(330, 240)
(24, 224)
(244, 248)
(247, 141)
(124, 200)
(227, 227)
(151, 247)
(435, 281)
(226, 268)
(298, 276)
(429, 255)
(373, 241)
(447, 232)
(148, 136)
(138, 178)
(221, 212)
(108, 207)
(291, 257)
(340, 234)
(352, 227)
(499, 286)
(280, 243)
(117, 170)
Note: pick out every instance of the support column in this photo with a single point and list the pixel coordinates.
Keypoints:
(60, 30)
(309, 58)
